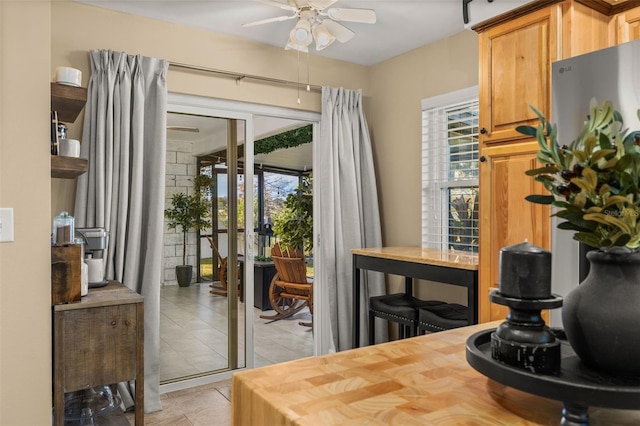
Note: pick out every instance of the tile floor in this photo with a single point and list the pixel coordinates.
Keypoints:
(207, 405)
(193, 333)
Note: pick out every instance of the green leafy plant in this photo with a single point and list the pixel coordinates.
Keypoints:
(594, 180)
(294, 225)
(262, 258)
(463, 222)
(189, 211)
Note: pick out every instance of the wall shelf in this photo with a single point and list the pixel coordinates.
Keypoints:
(68, 101)
(68, 167)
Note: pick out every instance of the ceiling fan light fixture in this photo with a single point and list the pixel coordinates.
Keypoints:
(322, 36)
(292, 46)
(300, 35)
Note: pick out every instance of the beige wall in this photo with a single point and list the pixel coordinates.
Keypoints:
(25, 295)
(61, 34)
(398, 85)
(78, 28)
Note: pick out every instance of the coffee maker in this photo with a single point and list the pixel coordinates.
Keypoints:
(95, 244)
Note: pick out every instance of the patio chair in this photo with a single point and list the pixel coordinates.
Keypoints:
(290, 289)
(222, 288)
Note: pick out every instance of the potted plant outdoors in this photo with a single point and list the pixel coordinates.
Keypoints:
(189, 212)
(294, 225)
(594, 185)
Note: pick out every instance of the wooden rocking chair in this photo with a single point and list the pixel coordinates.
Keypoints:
(222, 289)
(290, 290)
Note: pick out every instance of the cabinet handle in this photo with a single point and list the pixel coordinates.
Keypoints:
(483, 159)
(483, 131)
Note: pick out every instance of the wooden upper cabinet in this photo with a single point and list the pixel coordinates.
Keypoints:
(584, 29)
(516, 51)
(515, 60)
(626, 26)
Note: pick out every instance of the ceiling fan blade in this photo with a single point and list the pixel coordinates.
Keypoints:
(268, 20)
(342, 33)
(321, 4)
(278, 4)
(365, 16)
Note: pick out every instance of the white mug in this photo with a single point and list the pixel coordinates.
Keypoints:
(69, 148)
(69, 76)
(96, 270)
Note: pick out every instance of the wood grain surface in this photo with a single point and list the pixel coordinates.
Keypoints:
(65, 274)
(99, 341)
(424, 380)
(450, 258)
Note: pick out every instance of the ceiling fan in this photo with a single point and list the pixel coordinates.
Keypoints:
(318, 22)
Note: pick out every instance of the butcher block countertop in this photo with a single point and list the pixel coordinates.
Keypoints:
(430, 256)
(424, 380)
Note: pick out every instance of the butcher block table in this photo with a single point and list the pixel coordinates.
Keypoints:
(445, 266)
(423, 380)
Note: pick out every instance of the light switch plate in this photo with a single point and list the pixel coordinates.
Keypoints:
(6, 225)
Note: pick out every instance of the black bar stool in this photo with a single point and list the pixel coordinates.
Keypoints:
(442, 317)
(399, 308)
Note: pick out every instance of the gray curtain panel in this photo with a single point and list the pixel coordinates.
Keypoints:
(124, 138)
(350, 215)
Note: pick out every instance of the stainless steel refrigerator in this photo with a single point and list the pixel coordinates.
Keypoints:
(608, 74)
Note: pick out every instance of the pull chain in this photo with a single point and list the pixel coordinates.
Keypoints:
(308, 85)
(298, 52)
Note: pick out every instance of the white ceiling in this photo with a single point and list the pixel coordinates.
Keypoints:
(402, 25)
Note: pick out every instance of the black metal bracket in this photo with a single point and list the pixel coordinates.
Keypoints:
(465, 9)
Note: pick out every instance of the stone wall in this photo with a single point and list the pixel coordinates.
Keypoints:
(181, 169)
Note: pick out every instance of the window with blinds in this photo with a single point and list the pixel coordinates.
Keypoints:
(450, 171)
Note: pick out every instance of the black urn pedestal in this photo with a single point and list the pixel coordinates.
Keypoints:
(523, 340)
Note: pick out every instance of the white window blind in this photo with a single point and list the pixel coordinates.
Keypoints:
(450, 171)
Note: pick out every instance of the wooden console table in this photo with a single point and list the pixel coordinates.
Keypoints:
(449, 267)
(423, 380)
(99, 341)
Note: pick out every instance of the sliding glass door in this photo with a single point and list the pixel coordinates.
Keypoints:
(203, 326)
(220, 322)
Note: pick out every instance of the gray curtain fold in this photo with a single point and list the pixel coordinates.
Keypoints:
(348, 195)
(124, 138)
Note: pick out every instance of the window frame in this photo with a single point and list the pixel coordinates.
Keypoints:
(435, 178)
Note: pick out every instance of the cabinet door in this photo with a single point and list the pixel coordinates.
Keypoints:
(627, 26)
(98, 345)
(506, 218)
(515, 61)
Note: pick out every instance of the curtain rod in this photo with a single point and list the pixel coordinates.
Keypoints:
(239, 77)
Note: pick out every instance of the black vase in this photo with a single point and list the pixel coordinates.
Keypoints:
(601, 316)
(183, 275)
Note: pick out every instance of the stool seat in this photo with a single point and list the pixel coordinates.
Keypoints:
(400, 308)
(442, 317)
